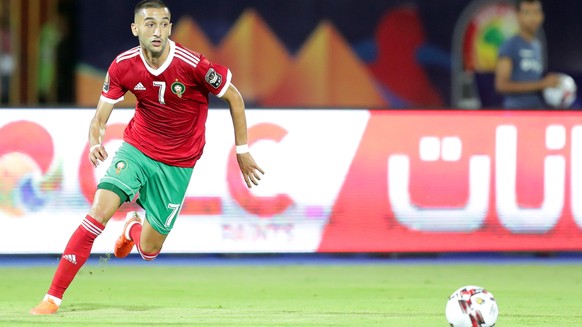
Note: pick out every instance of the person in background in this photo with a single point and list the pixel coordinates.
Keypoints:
(519, 74)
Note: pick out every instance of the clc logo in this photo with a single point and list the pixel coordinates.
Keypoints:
(260, 206)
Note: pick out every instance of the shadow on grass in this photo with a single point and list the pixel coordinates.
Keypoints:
(81, 307)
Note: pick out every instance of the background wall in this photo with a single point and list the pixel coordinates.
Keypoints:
(302, 53)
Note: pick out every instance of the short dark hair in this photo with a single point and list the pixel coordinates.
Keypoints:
(519, 2)
(149, 4)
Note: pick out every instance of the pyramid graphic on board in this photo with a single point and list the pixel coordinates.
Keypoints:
(255, 55)
(326, 72)
(188, 33)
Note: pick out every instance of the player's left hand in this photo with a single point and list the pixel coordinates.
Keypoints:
(249, 168)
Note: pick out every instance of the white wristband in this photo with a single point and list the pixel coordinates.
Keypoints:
(242, 148)
(94, 147)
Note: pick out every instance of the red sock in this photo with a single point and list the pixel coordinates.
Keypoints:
(76, 254)
(135, 234)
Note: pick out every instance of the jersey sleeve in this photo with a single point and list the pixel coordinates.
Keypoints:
(112, 91)
(506, 49)
(215, 78)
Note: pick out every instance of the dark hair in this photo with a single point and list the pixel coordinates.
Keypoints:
(149, 4)
(519, 2)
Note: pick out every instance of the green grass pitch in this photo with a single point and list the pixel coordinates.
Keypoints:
(291, 295)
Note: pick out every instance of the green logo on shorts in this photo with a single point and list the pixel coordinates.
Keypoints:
(119, 166)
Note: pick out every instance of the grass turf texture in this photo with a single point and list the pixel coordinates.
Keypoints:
(301, 295)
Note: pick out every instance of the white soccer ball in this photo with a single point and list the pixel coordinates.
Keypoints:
(471, 306)
(562, 96)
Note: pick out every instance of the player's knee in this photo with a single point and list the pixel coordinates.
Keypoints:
(104, 206)
(149, 251)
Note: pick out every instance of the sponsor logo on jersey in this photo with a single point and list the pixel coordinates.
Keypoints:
(213, 78)
(178, 88)
(106, 83)
(119, 166)
(139, 87)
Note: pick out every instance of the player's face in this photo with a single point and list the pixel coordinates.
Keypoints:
(530, 16)
(152, 27)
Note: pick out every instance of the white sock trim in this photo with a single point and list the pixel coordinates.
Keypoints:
(55, 299)
(129, 228)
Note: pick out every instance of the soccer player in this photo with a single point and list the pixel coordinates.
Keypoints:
(520, 66)
(162, 142)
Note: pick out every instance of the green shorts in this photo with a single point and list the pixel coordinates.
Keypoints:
(161, 188)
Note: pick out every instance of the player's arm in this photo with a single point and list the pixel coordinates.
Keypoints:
(97, 152)
(247, 164)
(504, 84)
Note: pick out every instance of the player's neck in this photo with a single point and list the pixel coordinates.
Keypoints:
(527, 35)
(153, 60)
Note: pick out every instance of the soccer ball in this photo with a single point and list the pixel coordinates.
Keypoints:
(471, 306)
(562, 96)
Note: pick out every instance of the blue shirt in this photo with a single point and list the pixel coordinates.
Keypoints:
(527, 67)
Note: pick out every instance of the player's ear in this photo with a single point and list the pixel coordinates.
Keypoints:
(170, 29)
(134, 29)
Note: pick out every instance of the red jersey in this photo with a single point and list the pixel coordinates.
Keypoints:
(172, 101)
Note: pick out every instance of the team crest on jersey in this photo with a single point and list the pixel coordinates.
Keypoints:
(119, 166)
(178, 88)
(213, 78)
(106, 83)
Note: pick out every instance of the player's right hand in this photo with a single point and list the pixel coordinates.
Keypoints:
(97, 154)
(551, 80)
